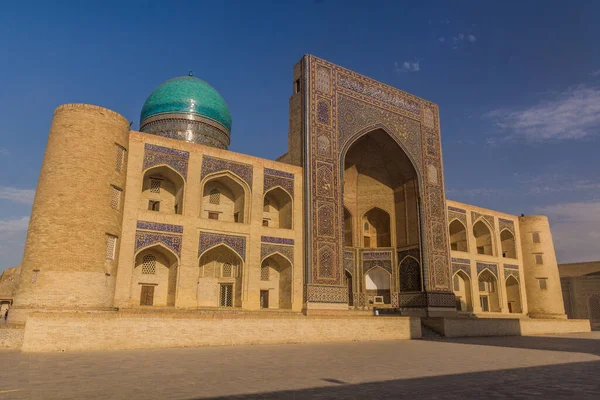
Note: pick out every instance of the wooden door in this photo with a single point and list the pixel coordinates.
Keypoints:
(264, 299)
(147, 298)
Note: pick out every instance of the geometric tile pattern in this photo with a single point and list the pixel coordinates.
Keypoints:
(212, 164)
(268, 249)
(144, 239)
(155, 226)
(158, 155)
(492, 267)
(208, 240)
(273, 178)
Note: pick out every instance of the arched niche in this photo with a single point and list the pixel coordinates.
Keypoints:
(376, 228)
(508, 244)
(489, 297)
(378, 174)
(277, 209)
(162, 190)
(154, 279)
(276, 279)
(458, 236)
(377, 284)
(483, 238)
(224, 198)
(461, 285)
(220, 278)
(513, 295)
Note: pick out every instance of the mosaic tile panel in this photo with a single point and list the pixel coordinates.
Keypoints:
(461, 267)
(511, 272)
(273, 178)
(456, 209)
(490, 219)
(412, 300)
(144, 239)
(359, 300)
(276, 240)
(506, 224)
(208, 240)
(211, 165)
(349, 263)
(269, 249)
(158, 155)
(511, 266)
(444, 300)
(155, 226)
(370, 264)
(327, 294)
(461, 260)
(492, 267)
(410, 275)
(415, 253)
(452, 215)
(377, 255)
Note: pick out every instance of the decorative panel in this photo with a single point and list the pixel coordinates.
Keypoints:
(212, 164)
(209, 240)
(273, 178)
(492, 267)
(158, 155)
(144, 239)
(155, 226)
(267, 249)
(506, 224)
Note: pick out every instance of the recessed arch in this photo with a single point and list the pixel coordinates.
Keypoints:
(507, 239)
(155, 285)
(278, 281)
(461, 285)
(278, 208)
(278, 254)
(220, 277)
(376, 228)
(513, 294)
(489, 297)
(163, 190)
(216, 245)
(378, 282)
(458, 236)
(409, 271)
(484, 238)
(234, 197)
(161, 247)
(348, 228)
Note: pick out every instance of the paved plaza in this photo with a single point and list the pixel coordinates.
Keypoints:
(566, 366)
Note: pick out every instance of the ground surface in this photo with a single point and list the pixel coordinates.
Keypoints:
(566, 366)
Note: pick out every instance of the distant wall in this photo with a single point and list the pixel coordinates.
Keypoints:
(11, 337)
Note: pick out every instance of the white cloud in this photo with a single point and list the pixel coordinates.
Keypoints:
(574, 114)
(459, 39)
(575, 229)
(17, 195)
(471, 38)
(407, 66)
(12, 241)
(461, 36)
(441, 39)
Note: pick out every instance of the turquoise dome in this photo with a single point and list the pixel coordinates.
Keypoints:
(187, 95)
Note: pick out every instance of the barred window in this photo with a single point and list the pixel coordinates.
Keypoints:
(153, 205)
(154, 185)
(215, 197)
(149, 264)
(213, 215)
(111, 246)
(120, 157)
(226, 296)
(264, 272)
(539, 259)
(227, 271)
(535, 237)
(115, 199)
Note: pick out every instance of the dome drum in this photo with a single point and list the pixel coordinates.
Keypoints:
(189, 128)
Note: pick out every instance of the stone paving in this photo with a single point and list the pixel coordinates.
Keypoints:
(565, 366)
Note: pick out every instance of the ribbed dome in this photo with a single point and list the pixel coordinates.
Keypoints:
(187, 95)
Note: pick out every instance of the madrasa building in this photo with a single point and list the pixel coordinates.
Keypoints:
(167, 225)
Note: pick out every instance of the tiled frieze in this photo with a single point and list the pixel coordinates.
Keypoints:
(410, 274)
(327, 294)
(511, 266)
(158, 155)
(276, 240)
(349, 261)
(475, 216)
(267, 249)
(145, 239)
(452, 215)
(461, 267)
(506, 224)
(274, 178)
(208, 240)
(212, 164)
(511, 272)
(155, 226)
(492, 267)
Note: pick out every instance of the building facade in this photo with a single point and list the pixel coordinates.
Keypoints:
(353, 216)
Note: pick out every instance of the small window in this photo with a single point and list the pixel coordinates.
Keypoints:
(265, 222)
(366, 227)
(111, 246)
(543, 283)
(115, 199)
(454, 246)
(153, 205)
(226, 296)
(213, 215)
(215, 197)
(154, 185)
(297, 86)
(149, 264)
(264, 273)
(539, 260)
(456, 283)
(120, 158)
(227, 271)
(236, 217)
(535, 237)
(480, 250)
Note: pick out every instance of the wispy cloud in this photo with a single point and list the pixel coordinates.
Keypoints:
(4, 152)
(12, 241)
(575, 229)
(471, 38)
(407, 66)
(441, 39)
(596, 73)
(24, 196)
(573, 114)
(457, 40)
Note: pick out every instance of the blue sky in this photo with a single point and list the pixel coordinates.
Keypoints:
(518, 85)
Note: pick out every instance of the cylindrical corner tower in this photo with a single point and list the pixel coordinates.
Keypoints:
(189, 109)
(70, 251)
(542, 281)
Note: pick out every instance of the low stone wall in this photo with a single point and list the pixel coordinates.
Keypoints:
(11, 337)
(474, 327)
(114, 331)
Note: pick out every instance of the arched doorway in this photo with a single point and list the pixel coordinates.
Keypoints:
(276, 282)
(277, 209)
(508, 244)
(458, 236)
(348, 281)
(489, 299)
(377, 284)
(220, 278)
(154, 281)
(224, 198)
(162, 190)
(483, 238)
(462, 291)
(513, 295)
(381, 192)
